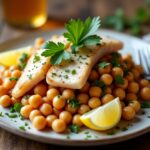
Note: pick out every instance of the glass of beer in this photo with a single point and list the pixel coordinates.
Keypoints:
(25, 13)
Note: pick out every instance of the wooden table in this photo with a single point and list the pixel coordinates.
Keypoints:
(10, 141)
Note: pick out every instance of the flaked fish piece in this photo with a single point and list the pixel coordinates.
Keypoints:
(34, 72)
(74, 74)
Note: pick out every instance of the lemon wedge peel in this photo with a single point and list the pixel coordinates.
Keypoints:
(104, 117)
(10, 57)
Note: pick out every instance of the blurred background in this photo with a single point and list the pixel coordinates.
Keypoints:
(22, 16)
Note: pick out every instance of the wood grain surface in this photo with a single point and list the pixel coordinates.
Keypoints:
(10, 141)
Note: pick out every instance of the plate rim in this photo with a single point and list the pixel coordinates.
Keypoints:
(71, 142)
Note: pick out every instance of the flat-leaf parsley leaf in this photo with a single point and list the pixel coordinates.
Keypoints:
(56, 52)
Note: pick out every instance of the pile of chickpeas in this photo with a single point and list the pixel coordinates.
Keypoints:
(48, 106)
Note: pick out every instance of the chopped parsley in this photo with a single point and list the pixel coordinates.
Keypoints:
(11, 115)
(22, 66)
(73, 71)
(119, 79)
(22, 128)
(74, 128)
(103, 64)
(57, 52)
(111, 133)
(16, 107)
(124, 129)
(73, 102)
(29, 76)
(1, 114)
(23, 57)
(13, 78)
(99, 83)
(67, 70)
(145, 105)
(115, 59)
(66, 76)
(54, 74)
(36, 58)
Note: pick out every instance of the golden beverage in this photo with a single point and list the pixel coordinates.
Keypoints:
(25, 13)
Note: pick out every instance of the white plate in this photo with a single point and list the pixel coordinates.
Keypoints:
(86, 137)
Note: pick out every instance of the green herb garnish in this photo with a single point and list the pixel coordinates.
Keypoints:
(99, 83)
(13, 78)
(1, 114)
(22, 128)
(73, 71)
(57, 52)
(36, 58)
(73, 102)
(16, 107)
(11, 115)
(23, 57)
(82, 33)
(29, 76)
(145, 105)
(119, 79)
(74, 128)
(103, 64)
(22, 66)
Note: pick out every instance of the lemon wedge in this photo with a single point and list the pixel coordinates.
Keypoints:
(11, 57)
(104, 117)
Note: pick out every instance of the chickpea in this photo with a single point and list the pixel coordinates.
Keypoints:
(68, 93)
(14, 67)
(35, 100)
(107, 98)
(50, 119)
(145, 93)
(25, 101)
(26, 110)
(104, 70)
(59, 125)
(16, 73)
(39, 122)
(66, 116)
(8, 84)
(46, 100)
(131, 96)
(128, 113)
(107, 79)
(51, 93)
(94, 102)
(107, 90)
(124, 85)
(133, 87)
(5, 101)
(93, 75)
(119, 92)
(136, 73)
(15, 100)
(130, 76)
(117, 71)
(56, 112)
(95, 91)
(76, 120)
(127, 57)
(34, 113)
(7, 74)
(135, 105)
(40, 89)
(3, 90)
(144, 83)
(1, 81)
(46, 109)
(85, 88)
(73, 110)
(83, 98)
(59, 102)
(83, 109)
(139, 68)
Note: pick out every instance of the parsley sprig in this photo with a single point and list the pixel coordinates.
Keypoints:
(82, 33)
(57, 52)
